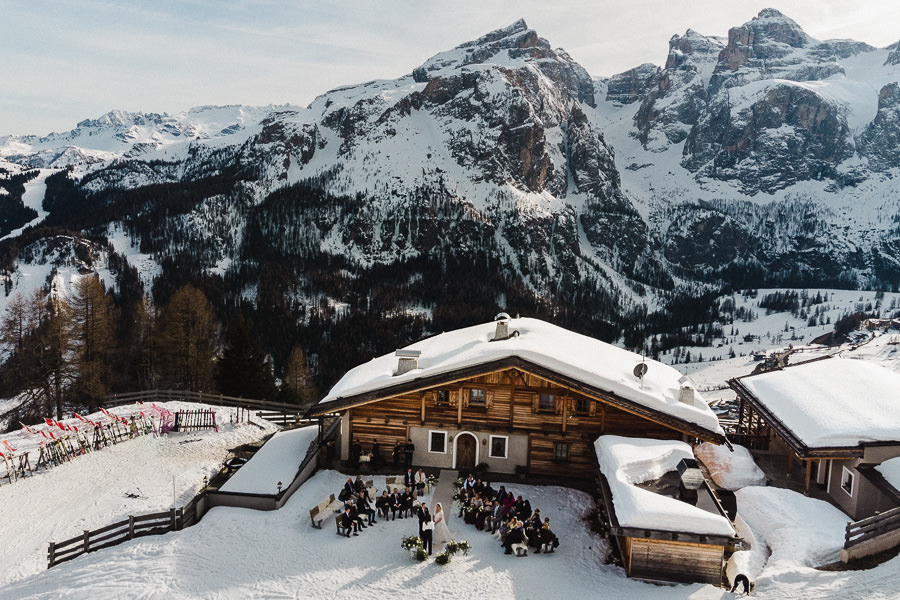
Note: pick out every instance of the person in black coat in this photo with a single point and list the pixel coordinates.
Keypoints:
(426, 526)
(410, 449)
(409, 479)
(516, 535)
(354, 514)
(376, 455)
(407, 505)
(398, 450)
(366, 509)
(396, 504)
(383, 504)
(348, 491)
(348, 523)
(359, 487)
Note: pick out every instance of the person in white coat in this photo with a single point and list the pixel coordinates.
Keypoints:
(441, 531)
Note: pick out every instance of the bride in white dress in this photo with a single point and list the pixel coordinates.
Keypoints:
(441, 531)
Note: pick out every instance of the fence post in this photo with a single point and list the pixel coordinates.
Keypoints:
(87, 540)
(130, 527)
(52, 553)
(173, 520)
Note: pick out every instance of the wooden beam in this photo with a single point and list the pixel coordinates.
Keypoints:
(422, 418)
(808, 472)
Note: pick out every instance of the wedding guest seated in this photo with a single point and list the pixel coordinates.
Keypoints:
(366, 509)
(549, 541)
(407, 504)
(472, 509)
(396, 500)
(484, 513)
(359, 487)
(383, 504)
(348, 523)
(515, 540)
(533, 526)
(347, 491)
(354, 514)
(421, 481)
(488, 492)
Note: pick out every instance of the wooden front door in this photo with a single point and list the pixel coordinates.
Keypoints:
(465, 448)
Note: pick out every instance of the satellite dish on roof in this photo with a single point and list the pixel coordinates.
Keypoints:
(640, 370)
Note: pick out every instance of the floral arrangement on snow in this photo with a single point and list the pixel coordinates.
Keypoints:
(450, 549)
(431, 481)
(458, 483)
(415, 546)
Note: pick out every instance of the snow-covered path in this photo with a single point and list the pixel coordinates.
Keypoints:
(33, 198)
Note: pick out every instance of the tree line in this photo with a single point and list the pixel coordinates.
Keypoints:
(66, 354)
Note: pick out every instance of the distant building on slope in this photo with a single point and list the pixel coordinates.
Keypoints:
(838, 417)
(520, 395)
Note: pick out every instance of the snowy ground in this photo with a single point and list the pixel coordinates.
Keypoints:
(237, 553)
(142, 475)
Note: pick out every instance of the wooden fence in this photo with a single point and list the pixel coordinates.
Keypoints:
(866, 529)
(176, 519)
(111, 535)
(279, 413)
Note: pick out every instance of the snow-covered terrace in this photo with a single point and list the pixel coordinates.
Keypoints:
(627, 462)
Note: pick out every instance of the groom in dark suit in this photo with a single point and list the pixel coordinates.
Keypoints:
(425, 533)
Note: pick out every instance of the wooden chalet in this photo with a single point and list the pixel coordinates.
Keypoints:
(836, 417)
(520, 395)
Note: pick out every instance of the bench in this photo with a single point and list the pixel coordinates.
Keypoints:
(323, 510)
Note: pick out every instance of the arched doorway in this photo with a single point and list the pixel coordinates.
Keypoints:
(466, 451)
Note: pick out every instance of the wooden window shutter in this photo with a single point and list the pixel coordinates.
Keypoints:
(488, 398)
(466, 394)
(535, 402)
(454, 397)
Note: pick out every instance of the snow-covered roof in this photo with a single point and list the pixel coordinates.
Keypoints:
(838, 402)
(597, 364)
(629, 461)
(890, 470)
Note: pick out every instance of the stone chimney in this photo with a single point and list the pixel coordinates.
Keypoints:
(408, 361)
(686, 395)
(502, 331)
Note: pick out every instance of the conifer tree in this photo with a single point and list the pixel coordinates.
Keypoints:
(94, 324)
(187, 341)
(243, 370)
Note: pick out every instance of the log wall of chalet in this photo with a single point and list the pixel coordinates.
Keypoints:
(511, 405)
(663, 560)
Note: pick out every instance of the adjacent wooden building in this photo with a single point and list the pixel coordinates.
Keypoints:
(836, 418)
(516, 394)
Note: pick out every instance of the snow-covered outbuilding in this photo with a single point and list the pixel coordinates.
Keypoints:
(517, 394)
(838, 417)
(668, 523)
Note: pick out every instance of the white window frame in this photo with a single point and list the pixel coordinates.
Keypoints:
(431, 433)
(846, 475)
(505, 446)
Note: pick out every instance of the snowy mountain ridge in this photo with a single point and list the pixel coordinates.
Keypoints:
(763, 158)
